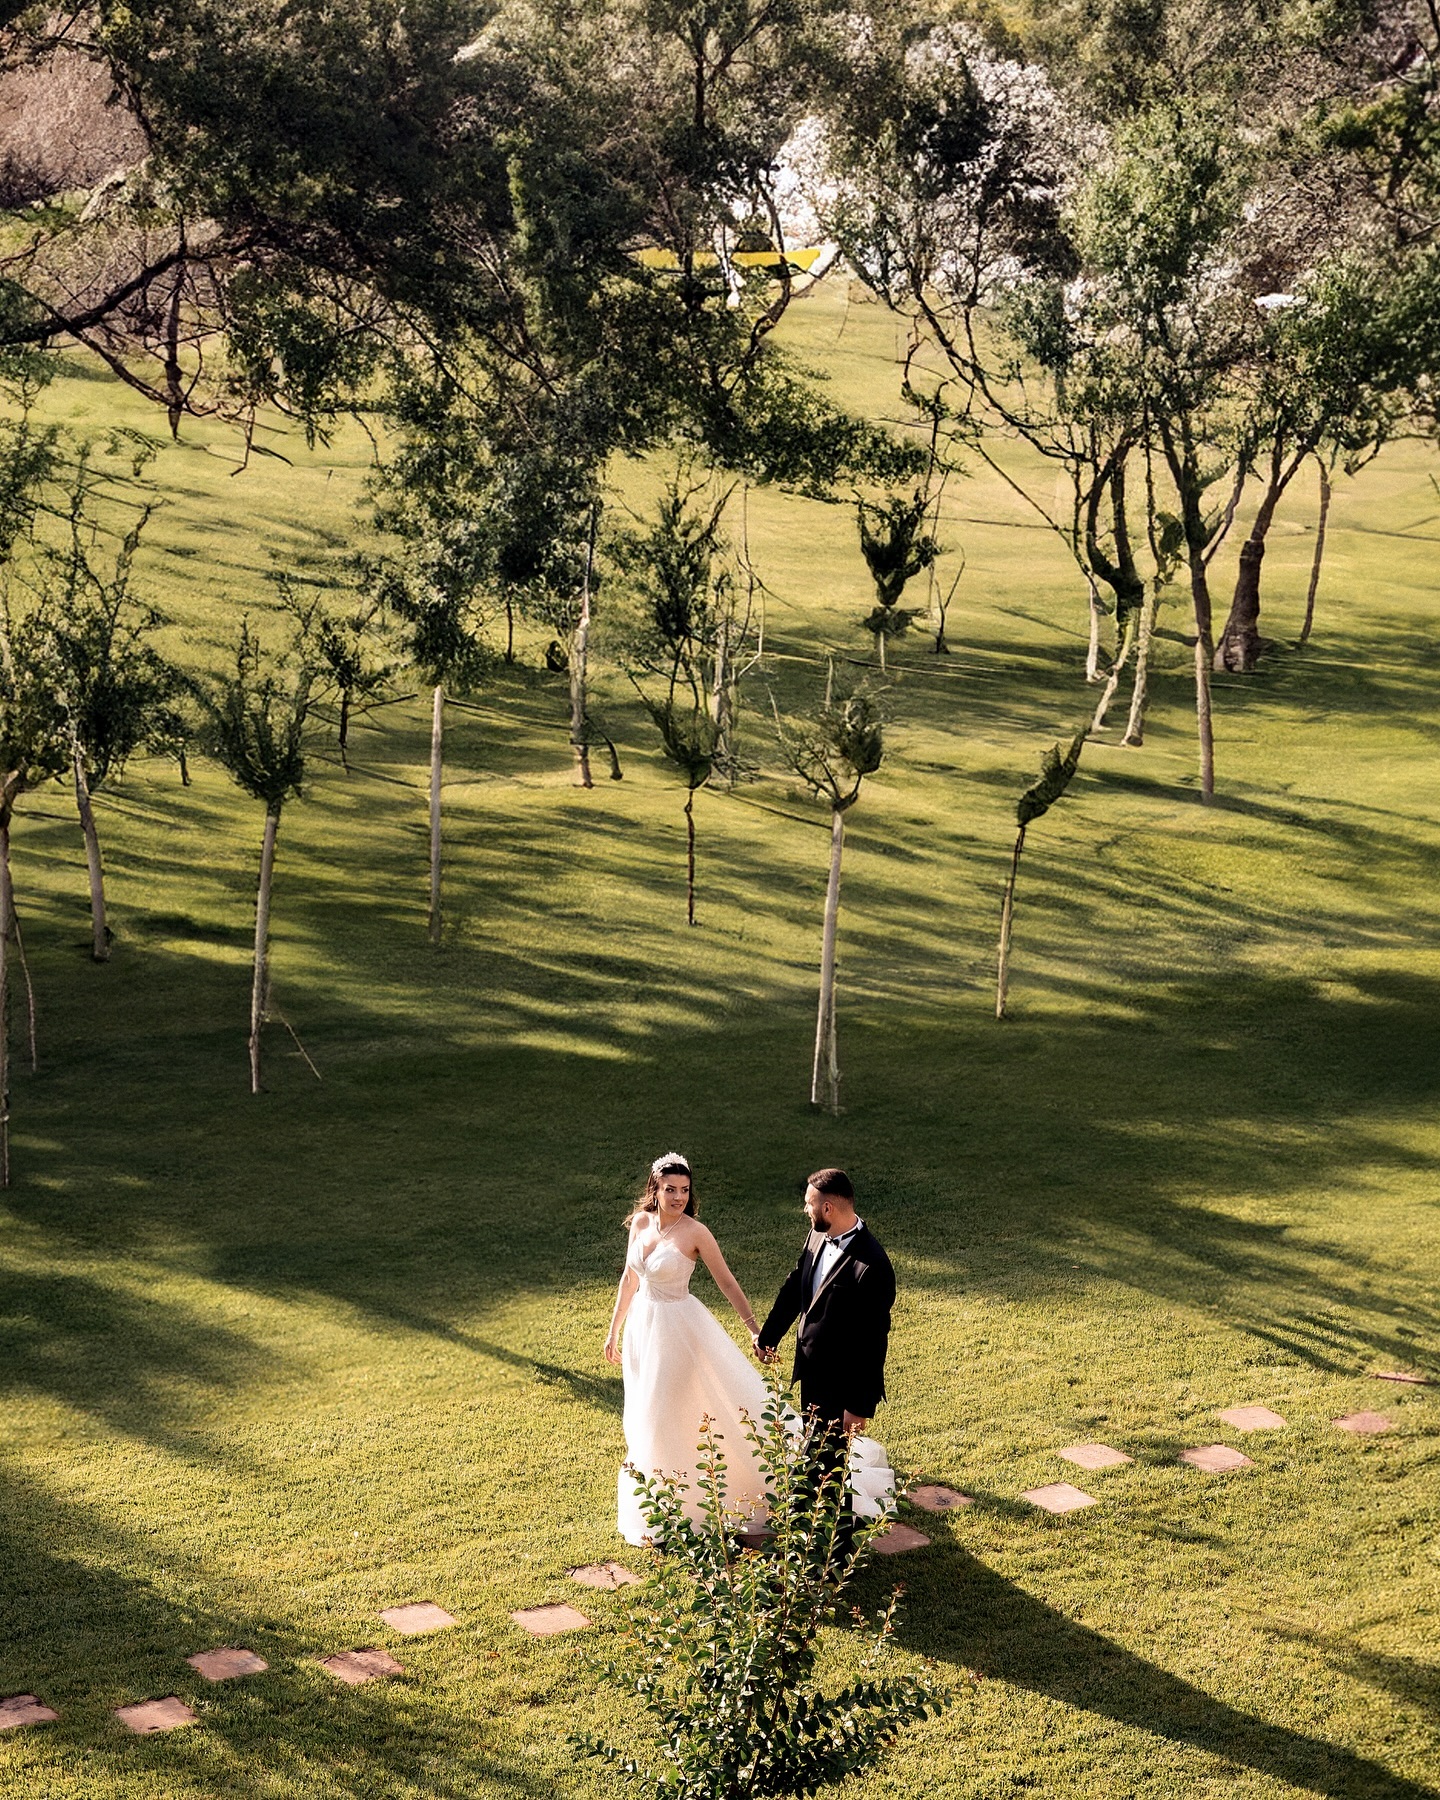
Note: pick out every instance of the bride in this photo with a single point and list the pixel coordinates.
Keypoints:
(681, 1366)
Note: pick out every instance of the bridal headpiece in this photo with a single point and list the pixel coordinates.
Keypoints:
(669, 1161)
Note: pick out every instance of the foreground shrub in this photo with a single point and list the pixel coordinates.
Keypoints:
(727, 1633)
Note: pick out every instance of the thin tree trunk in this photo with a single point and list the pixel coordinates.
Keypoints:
(1117, 669)
(7, 908)
(690, 855)
(344, 728)
(1204, 717)
(184, 763)
(437, 764)
(826, 1071)
(509, 629)
(260, 985)
(1092, 652)
(881, 636)
(579, 660)
(1140, 693)
(100, 930)
(1007, 919)
(1239, 646)
(1181, 455)
(1319, 552)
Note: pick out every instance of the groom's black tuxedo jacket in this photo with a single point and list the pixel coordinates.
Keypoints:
(844, 1326)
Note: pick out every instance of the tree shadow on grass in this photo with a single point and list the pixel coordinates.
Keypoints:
(966, 1614)
(84, 1628)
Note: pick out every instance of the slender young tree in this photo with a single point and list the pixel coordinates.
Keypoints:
(1057, 770)
(896, 547)
(117, 692)
(34, 749)
(692, 635)
(1322, 520)
(832, 751)
(351, 660)
(257, 718)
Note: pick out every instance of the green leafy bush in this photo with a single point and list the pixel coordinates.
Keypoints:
(727, 1632)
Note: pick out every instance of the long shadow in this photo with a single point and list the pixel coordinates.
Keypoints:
(87, 1636)
(967, 1615)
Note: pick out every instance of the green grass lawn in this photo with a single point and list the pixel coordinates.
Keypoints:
(271, 1364)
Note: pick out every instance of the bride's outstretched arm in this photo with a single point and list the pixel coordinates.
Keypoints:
(725, 1281)
(623, 1296)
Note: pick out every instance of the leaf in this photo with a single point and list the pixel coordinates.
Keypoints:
(1056, 772)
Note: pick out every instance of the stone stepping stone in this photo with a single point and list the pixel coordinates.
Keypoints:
(1216, 1459)
(24, 1709)
(549, 1621)
(1058, 1497)
(1252, 1418)
(898, 1539)
(934, 1497)
(155, 1715)
(417, 1616)
(603, 1575)
(226, 1664)
(356, 1666)
(1365, 1424)
(1400, 1375)
(1095, 1456)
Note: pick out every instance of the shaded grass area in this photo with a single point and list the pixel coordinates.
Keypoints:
(268, 1366)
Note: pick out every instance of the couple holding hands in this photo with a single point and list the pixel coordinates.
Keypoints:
(681, 1366)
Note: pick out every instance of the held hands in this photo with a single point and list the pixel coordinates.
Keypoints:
(762, 1355)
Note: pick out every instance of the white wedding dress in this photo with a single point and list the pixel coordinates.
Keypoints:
(681, 1367)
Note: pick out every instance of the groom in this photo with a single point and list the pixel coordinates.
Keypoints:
(841, 1290)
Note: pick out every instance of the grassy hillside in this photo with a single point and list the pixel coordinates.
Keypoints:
(271, 1364)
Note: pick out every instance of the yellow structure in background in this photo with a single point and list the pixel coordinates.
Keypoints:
(801, 261)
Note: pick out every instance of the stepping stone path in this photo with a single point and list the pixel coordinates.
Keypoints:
(24, 1709)
(1252, 1418)
(356, 1666)
(1400, 1375)
(932, 1497)
(1216, 1459)
(155, 1715)
(549, 1621)
(417, 1616)
(1058, 1497)
(898, 1539)
(225, 1665)
(1366, 1424)
(1095, 1456)
(603, 1575)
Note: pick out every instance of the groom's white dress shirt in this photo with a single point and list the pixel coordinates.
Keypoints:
(829, 1256)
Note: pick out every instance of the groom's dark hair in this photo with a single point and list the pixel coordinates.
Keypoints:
(832, 1181)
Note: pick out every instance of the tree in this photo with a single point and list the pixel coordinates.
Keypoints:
(346, 645)
(896, 548)
(1333, 377)
(117, 692)
(1057, 769)
(682, 660)
(434, 497)
(832, 751)
(727, 1630)
(941, 167)
(34, 749)
(257, 718)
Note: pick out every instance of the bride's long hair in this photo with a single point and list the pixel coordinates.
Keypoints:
(649, 1201)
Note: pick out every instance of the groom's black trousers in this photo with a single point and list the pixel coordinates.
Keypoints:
(831, 1449)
